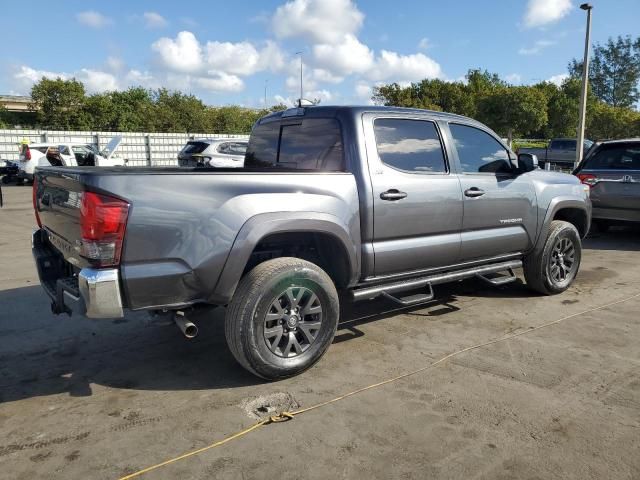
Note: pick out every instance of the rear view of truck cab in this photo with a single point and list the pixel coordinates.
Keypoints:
(80, 275)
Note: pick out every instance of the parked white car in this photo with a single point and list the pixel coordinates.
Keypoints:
(66, 155)
(213, 152)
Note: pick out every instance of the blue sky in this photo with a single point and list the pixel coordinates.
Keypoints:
(224, 52)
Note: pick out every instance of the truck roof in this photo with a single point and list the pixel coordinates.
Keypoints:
(357, 110)
(619, 140)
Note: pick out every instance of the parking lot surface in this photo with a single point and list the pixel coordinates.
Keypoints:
(103, 398)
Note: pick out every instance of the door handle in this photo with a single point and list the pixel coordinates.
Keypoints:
(474, 192)
(392, 195)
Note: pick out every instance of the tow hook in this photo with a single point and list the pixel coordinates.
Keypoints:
(188, 328)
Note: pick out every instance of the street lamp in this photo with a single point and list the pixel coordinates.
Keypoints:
(300, 53)
(583, 91)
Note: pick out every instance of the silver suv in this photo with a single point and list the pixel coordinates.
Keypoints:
(612, 171)
(218, 152)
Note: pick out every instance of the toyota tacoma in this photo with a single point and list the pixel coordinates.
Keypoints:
(363, 201)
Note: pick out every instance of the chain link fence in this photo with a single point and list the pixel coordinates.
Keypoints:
(141, 149)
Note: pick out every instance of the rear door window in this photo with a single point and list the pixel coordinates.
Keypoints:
(409, 145)
(308, 144)
(615, 157)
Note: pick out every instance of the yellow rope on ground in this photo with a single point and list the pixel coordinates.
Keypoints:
(285, 416)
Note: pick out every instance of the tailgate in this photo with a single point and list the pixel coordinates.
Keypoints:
(57, 200)
(615, 168)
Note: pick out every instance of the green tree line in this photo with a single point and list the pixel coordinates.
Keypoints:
(64, 105)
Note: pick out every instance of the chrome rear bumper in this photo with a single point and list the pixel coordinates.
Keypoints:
(100, 291)
(93, 292)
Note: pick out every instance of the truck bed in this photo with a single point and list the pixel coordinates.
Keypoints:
(182, 223)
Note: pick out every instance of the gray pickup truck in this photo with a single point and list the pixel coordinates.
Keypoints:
(560, 152)
(366, 201)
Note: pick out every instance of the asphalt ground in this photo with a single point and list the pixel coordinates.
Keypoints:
(86, 398)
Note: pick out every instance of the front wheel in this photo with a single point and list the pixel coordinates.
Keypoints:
(553, 269)
(282, 318)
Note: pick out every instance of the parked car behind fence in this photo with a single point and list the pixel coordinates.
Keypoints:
(213, 152)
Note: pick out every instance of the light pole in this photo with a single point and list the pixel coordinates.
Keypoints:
(585, 81)
(265, 93)
(300, 53)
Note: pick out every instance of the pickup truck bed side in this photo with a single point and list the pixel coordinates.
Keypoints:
(177, 246)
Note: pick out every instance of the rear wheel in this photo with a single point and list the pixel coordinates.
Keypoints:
(282, 318)
(553, 269)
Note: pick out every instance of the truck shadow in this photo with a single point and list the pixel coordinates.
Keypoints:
(42, 354)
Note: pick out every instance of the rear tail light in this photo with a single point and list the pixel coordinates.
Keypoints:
(103, 220)
(588, 179)
(35, 201)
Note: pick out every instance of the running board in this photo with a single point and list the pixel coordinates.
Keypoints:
(499, 280)
(388, 289)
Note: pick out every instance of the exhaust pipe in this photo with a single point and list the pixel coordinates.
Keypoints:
(189, 329)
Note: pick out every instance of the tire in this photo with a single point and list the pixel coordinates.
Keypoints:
(261, 331)
(553, 269)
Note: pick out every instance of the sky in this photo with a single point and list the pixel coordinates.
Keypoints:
(228, 52)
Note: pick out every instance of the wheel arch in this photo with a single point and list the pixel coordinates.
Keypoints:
(569, 209)
(298, 229)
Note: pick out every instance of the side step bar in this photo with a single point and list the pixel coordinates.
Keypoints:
(388, 289)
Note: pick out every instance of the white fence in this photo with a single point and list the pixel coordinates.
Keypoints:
(141, 149)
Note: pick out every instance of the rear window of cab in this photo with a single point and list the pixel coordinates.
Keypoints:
(298, 144)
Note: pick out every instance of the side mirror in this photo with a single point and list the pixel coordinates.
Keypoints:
(527, 162)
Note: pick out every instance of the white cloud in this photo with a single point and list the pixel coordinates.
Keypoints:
(93, 19)
(537, 47)
(27, 76)
(321, 21)
(513, 78)
(424, 43)
(393, 67)
(220, 82)
(349, 56)
(136, 78)
(321, 95)
(543, 12)
(115, 64)
(183, 54)
(325, 76)
(558, 79)
(186, 54)
(236, 58)
(271, 57)
(363, 92)
(283, 100)
(154, 20)
(96, 81)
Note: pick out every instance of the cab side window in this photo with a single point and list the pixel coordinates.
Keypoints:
(478, 151)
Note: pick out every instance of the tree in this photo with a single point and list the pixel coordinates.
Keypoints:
(514, 110)
(614, 71)
(60, 103)
(606, 122)
(178, 112)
